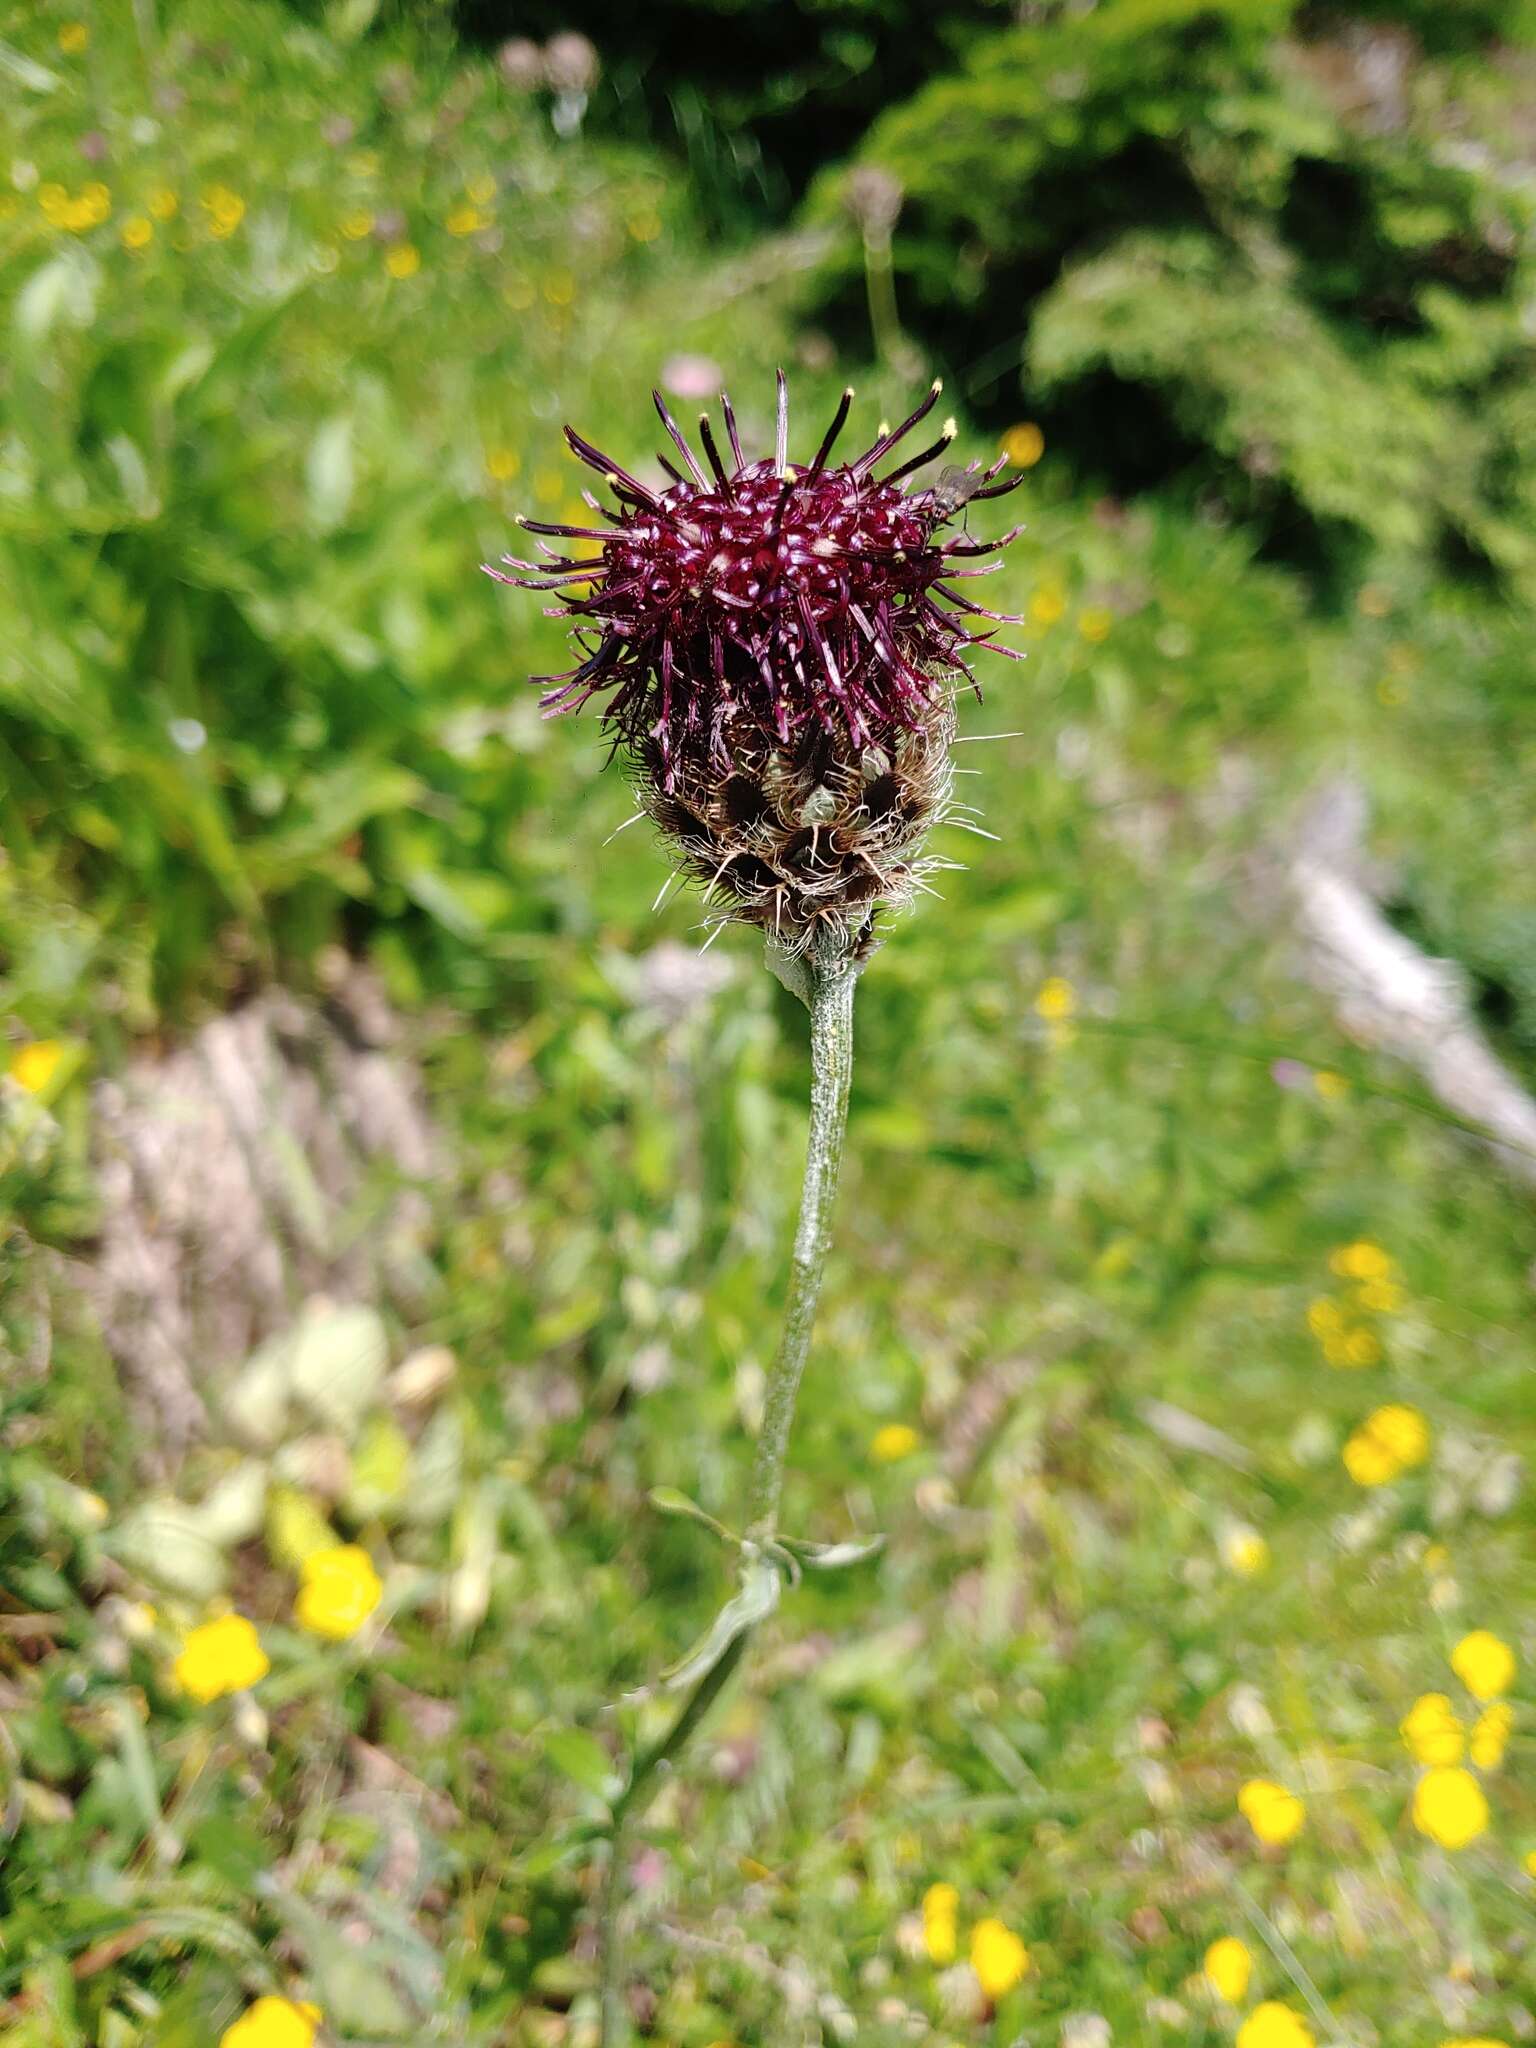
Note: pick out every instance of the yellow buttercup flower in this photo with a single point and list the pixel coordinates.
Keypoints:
(1449, 1807)
(1476, 2041)
(1245, 1552)
(273, 2023)
(1361, 1261)
(34, 1066)
(466, 220)
(895, 1441)
(1330, 1086)
(1046, 607)
(1324, 1317)
(1490, 1735)
(1095, 623)
(1388, 1443)
(138, 231)
(1484, 1664)
(1274, 1814)
(998, 1957)
(1056, 1001)
(941, 1905)
(221, 1656)
(340, 1590)
(163, 203)
(480, 191)
(1272, 2025)
(354, 226)
(1382, 1297)
(1228, 1967)
(643, 227)
(74, 37)
(1361, 1348)
(502, 464)
(1024, 444)
(404, 260)
(225, 210)
(1431, 1730)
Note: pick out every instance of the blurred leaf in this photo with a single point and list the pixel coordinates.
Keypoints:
(584, 1760)
(330, 473)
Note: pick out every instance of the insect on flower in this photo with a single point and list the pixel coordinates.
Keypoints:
(776, 646)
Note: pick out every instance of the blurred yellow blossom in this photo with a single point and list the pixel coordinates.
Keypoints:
(1382, 1297)
(1474, 2041)
(273, 2023)
(1449, 1807)
(1228, 1967)
(1056, 1000)
(1484, 1664)
(1023, 444)
(74, 36)
(1530, 1864)
(480, 191)
(1274, 1814)
(1331, 1086)
(1245, 1552)
(1361, 1260)
(998, 1957)
(941, 1904)
(354, 226)
(34, 1066)
(1361, 1348)
(1047, 606)
(502, 464)
(1272, 2025)
(163, 203)
(1388, 1443)
(644, 227)
(138, 231)
(339, 1590)
(466, 220)
(225, 210)
(560, 288)
(221, 1656)
(1431, 1730)
(404, 260)
(895, 1441)
(1095, 623)
(1324, 1317)
(1490, 1735)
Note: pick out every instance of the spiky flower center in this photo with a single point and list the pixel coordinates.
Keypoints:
(768, 597)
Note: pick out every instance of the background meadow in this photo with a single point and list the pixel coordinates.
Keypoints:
(392, 1196)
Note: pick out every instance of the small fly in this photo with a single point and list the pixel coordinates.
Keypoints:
(954, 490)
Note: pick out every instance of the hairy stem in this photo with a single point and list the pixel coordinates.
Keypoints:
(826, 982)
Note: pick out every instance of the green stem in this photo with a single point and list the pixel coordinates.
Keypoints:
(826, 981)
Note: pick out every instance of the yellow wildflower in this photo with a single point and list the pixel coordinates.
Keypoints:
(225, 210)
(1274, 1814)
(644, 227)
(1047, 606)
(339, 1590)
(998, 1957)
(1095, 623)
(1331, 1086)
(1475, 2041)
(480, 191)
(354, 226)
(404, 260)
(1484, 1664)
(466, 220)
(1449, 1807)
(1024, 444)
(273, 2023)
(1431, 1730)
(163, 203)
(34, 1066)
(1228, 1966)
(1362, 1347)
(1361, 1260)
(1382, 1297)
(1272, 2025)
(221, 1656)
(1530, 1864)
(1245, 1552)
(941, 1904)
(1490, 1735)
(560, 288)
(1388, 1443)
(1324, 1317)
(895, 1441)
(1056, 1001)
(53, 200)
(502, 464)
(138, 231)
(74, 36)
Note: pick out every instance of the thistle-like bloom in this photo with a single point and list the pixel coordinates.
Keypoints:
(776, 646)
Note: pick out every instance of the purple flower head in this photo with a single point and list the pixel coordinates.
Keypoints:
(768, 599)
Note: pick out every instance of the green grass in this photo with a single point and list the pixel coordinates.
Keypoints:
(247, 480)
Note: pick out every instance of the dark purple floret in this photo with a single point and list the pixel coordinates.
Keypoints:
(770, 596)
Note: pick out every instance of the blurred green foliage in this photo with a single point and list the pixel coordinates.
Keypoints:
(1216, 255)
